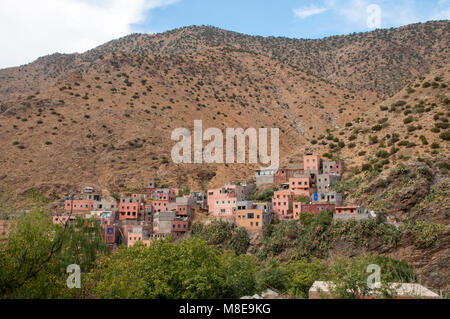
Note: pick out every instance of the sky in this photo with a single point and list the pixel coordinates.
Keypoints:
(33, 28)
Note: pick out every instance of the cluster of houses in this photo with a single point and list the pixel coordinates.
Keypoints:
(143, 217)
(155, 213)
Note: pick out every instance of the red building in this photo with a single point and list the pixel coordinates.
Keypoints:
(129, 209)
(179, 227)
(79, 205)
(311, 208)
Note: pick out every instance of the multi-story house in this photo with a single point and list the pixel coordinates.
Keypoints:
(185, 206)
(162, 222)
(222, 202)
(282, 202)
(130, 208)
(285, 173)
(311, 163)
(180, 226)
(301, 186)
(253, 219)
(84, 202)
(333, 167)
(139, 234)
(325, 182)
(253, 216)
(163, 199)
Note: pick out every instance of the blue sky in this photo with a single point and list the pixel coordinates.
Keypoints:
(314, 18)
(33, 28)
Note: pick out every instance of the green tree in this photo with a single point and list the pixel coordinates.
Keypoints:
(34, 258)
(349, 276)
(188, 269)
(240, 241)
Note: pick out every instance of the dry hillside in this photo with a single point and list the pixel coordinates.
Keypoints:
(105, 117)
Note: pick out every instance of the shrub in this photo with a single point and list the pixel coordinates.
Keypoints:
(435, 145)
(408, 120)
(377, 128)
(383, 154)
(373, 140)
(424, 140)
(445, 135)
(444, 165)
(240, 241)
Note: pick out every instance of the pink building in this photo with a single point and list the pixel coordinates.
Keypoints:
(133, 238)
(160, 205)
(300, 186)
(222, 202)
(79, 205)
(129, 209)
(311, 163)
(282, 204)
(180, 227)
(162, 199)
(165, 194)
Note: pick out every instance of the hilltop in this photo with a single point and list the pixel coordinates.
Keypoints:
(382, 61)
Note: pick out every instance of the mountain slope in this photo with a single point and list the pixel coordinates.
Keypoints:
(382, 60)
(111, 125)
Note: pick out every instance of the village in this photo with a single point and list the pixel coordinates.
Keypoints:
(155, 213)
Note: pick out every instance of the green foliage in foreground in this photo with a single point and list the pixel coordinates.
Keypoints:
(34, 258)
(211, 264)
(223, 235)
(188, 269)
(350, 276)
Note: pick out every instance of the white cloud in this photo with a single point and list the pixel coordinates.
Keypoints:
(306, 12)
(354, 12)
(33, 28)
